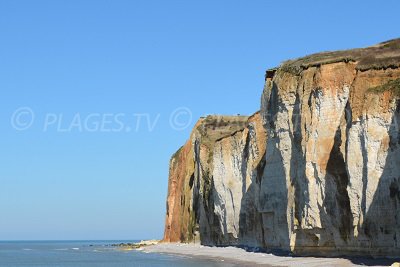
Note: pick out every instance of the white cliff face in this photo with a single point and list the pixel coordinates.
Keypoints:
(235, 189)
(331, 160)
(228, 183)
(315, 172)
(374, 174)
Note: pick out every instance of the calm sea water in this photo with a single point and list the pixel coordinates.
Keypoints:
(88, 254)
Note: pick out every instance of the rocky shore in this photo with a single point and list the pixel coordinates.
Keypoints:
(136, 246)
(242, 257)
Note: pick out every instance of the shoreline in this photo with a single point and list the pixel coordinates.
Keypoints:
(240, 256)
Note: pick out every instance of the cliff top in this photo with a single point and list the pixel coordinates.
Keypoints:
(381, 56)
(215, 127)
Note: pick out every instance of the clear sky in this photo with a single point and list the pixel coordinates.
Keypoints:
(140, 70)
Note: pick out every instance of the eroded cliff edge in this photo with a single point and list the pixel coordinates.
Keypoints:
(315, 171)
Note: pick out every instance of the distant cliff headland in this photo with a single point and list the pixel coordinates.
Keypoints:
(315, 171)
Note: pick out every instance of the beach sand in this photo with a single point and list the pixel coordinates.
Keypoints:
(238, 255)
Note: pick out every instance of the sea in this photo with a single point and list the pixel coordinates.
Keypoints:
(89, 254)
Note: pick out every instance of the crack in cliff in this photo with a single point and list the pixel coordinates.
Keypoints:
(336, 168)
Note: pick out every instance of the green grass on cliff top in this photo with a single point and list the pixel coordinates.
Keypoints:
(381, 56)
(393, 86)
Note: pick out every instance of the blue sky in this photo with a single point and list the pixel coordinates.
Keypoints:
(66, 60)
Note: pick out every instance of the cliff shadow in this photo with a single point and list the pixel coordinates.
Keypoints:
(263, 224)
(273, 198)
(336, 217)
(299, 180)
(251, 232)
(381, 225)
(379, 233)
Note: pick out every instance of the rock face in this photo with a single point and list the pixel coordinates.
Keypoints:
(316, 171)
(190, 178)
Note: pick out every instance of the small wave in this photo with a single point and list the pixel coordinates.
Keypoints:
(27, 249)
(61, 249)
(75, 248)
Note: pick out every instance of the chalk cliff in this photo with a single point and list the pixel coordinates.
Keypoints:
(316, 171)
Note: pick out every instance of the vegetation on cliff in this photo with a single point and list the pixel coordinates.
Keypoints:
(391, 86)
(381, 56)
